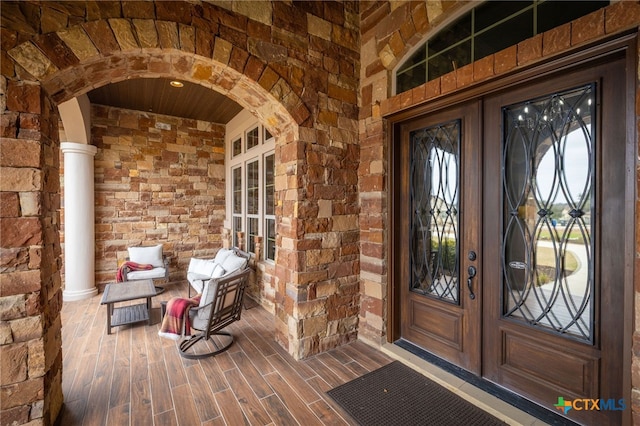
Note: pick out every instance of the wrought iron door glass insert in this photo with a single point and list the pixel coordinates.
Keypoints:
(548, 193)
(434, 191)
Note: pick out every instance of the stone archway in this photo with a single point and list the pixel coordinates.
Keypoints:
(270, 98)
(60, 66)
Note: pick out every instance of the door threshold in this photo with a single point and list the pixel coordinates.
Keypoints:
(503, 404)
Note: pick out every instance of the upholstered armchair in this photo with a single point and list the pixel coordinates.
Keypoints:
(220, 305)
(153, 256)
(226, 262)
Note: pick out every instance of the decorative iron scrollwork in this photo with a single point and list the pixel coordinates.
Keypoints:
(548, 192)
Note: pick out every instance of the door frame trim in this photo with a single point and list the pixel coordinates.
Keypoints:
(626, 43)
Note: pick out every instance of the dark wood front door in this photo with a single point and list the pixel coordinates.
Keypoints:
(512, 217)
(440, 229)
(553, 249)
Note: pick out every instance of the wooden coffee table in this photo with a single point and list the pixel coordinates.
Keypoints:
(123, 292)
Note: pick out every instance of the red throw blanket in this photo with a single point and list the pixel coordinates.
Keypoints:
(131, 266)
(175, 317)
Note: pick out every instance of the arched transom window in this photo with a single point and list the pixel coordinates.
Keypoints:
(484, 30)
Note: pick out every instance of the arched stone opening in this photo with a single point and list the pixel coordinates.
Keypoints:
(269, 101)
(208, 73)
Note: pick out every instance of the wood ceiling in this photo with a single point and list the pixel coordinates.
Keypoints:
(158, 96)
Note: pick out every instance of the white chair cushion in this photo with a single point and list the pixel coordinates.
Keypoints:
(222, 254)
(197, 281)
(208, 293)
(196, 321)
(147, 255)
(218, 271)
(201, 266)
(201, 270)
(233, 262)
(146, 275)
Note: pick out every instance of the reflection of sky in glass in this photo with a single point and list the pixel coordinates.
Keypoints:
(444, 176)
(576, 167)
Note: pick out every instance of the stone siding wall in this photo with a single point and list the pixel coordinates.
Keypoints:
(30, 262)
(158, 180)
(388, 31)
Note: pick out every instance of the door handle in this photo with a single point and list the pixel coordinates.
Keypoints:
(471, 272)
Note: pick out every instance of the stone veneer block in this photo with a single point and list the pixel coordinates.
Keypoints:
(319, 27)
(622, 15)
(187, 38)
(33, 60)
(52, 20)
(168, 34)
(587, 27)
(483, 68)
(556, 40)
(238, 59)
(138, 10)
(372, 17)
(57, 51)
(204, 43)
(13, 363)
(260, 11)
(102, 36)
(408, 30)
(79, 42)
(124, 34)
(12, 153)
(464, 75)
(147, 33)
(448, 82)
(530, 50)
(396, 43)
(387, 57)
(20, 179)
(9, 206)
(222, 51)
(505, 60)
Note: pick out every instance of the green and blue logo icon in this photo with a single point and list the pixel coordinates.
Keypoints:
(563, 405)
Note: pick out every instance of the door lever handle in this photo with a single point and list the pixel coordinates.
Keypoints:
(471, 271)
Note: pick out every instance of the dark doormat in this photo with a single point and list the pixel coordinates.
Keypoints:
(398, 395)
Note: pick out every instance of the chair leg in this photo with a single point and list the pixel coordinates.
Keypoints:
(188, 342)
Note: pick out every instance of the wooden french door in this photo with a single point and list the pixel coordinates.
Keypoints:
(553, 248)
(440, 223)
(510, 238)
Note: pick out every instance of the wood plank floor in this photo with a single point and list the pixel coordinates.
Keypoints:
(135, 377)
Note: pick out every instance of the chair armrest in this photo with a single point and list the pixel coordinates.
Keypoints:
(192, 280)
(125, 272)
(195, 309)
(165, 260)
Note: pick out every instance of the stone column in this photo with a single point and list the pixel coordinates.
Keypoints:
(79, 221)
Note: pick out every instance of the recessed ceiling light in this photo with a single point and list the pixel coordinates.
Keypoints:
(176, 83)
